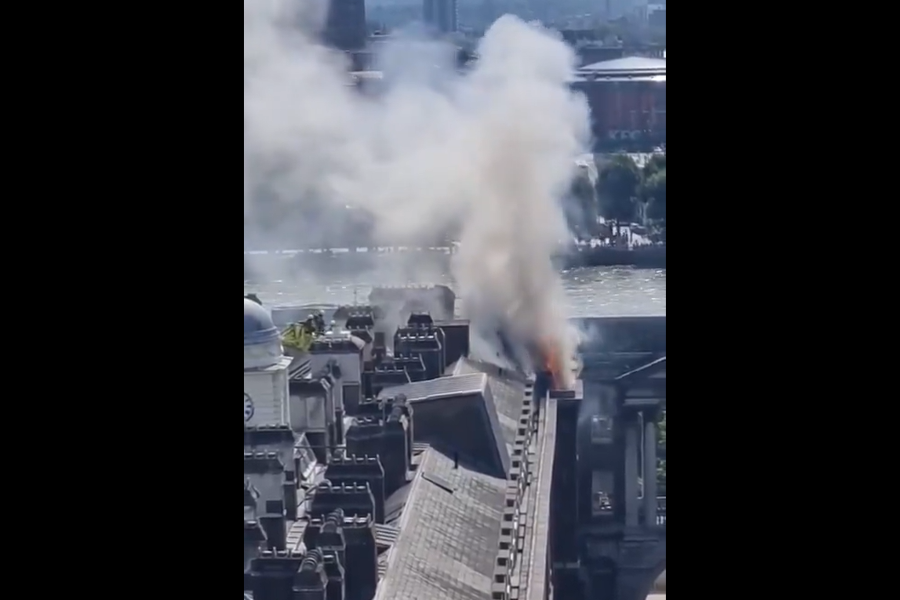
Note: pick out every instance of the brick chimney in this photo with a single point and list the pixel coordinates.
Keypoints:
(360, 469)
(397, 444)
(327, 534)
(272, 575)
(383, 429)
(336, 589)
(426, 340)
(279, 439)
(265, 472)
(387, 374)
(352, 498)
(351, 540)
(254, 538)
(311, 579)
(361, 568)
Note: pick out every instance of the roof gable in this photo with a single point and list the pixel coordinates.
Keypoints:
(458, 412)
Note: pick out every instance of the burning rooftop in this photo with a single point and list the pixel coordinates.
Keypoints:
(383, 473)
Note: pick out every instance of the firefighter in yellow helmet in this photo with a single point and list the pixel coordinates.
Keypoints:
(300, 335)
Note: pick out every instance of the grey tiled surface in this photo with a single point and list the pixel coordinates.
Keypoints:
(393, 506)
(539, 519)
(448, 542)
(460, 385)
(385, 535)
(507, 390)
(489, 399)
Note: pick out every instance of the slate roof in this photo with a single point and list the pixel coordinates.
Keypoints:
(449, 533)
(449, 410)
(395, 504)
(437, 389)
(445, 524)
(507, 390)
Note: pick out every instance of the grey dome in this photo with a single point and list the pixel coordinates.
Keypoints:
(258, 325)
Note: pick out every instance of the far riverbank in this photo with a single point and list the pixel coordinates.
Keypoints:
(650, 256)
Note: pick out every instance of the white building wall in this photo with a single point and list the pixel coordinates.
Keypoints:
(268, 396)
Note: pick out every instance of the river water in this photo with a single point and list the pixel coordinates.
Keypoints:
(595, 291)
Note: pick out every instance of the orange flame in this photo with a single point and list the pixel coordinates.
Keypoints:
(553, 363)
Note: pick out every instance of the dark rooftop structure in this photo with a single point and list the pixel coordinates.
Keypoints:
(345, 25)
(448, 533)
(460, 411)
(429, 492)
(470, 485)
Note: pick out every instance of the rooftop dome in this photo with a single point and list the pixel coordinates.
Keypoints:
(258, 325)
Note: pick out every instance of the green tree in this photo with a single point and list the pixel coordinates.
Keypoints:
(653, 193)
(617, 187)
(656, 164)
(584, 222)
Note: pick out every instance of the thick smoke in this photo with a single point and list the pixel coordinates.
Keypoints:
(486, 155)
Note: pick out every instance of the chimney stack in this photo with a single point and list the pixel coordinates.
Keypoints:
(361, 568)
(254, 537)
(363, 470)
(352, 498)
(379, 346)
(397, 445)
(251, 497)
(351, 541)
(279, 439)
(335, 572)
(400, 401)
(311, 579)
(425, 340)
(412, 364)
(456, 340)
(366, 434)
(387, 374)
(327, 534)
(265, 472)
(272, 575)
(313, 411)
(276, 532)
(384, 429)
(290, 495)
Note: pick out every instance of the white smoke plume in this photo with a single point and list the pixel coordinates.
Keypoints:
(488, 154)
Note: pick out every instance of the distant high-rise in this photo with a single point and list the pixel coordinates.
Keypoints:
(442, 15)
(345, 28)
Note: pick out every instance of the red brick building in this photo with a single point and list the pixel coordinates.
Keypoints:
(627, 97)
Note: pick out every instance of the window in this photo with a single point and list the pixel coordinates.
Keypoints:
(601, 493)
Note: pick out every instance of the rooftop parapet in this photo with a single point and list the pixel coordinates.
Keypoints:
(264, 435)
(262, 463)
